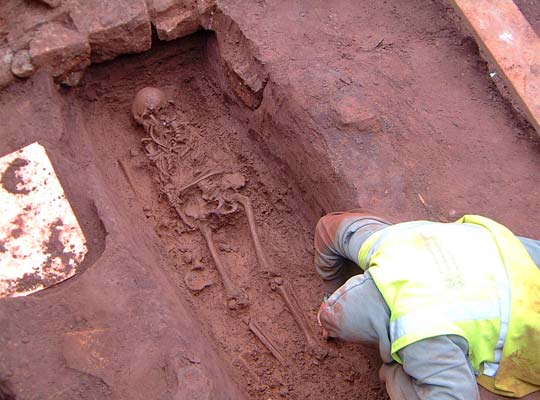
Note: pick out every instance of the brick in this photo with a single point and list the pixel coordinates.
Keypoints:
(113, 27)
(59, 50)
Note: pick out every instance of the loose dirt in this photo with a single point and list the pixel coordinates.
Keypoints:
(204, 138)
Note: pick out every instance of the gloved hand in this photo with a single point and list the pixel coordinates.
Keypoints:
(326, 319)
(325, 333)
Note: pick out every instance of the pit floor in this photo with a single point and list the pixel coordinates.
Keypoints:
(217, 141)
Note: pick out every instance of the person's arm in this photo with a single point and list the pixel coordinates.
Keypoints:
(439, 368)
(533, 248)
(338, 238)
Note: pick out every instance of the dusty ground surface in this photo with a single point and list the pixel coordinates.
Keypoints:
(384, 105)
(446, 134)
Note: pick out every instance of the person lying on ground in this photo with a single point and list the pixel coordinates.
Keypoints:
(448, 305)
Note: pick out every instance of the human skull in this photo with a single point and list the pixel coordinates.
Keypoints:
(148, 100)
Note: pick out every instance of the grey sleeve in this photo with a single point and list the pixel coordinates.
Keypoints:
(440, 369)
(533, 248)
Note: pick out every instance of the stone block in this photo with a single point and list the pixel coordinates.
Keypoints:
(234, 60)
(174, 18)
(89, 352)
(113, 27)
(194, 384)
(357, 114)
(511, 46)
(59, 50)
(158, 7)
(177, 25)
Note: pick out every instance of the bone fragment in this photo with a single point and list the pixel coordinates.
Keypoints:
(261, 335)
(183, 217)
(277, 284)
(126, 175)
(235, 297)
(178, 210)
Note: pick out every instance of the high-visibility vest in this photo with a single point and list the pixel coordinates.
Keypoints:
(476, 281)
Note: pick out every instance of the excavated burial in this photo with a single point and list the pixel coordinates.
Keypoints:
(213, 138)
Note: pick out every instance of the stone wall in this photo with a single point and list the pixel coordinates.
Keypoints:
(65, 36)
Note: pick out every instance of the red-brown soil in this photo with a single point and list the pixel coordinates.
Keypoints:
(385, 105)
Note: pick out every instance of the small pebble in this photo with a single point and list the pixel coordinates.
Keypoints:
(21, 64)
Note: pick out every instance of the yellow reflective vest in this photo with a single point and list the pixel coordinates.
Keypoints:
(479, 283)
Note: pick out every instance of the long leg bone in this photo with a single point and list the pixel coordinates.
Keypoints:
(261, 256)
(258, 331)
(288, 297)
(183, 217)
(235, 297)
(277, 283)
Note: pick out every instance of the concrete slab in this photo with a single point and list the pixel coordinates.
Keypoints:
(513, 46)
(41, 242)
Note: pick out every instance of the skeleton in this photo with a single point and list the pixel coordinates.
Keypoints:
(217, 198)
(212, 205)
(164, 140)
(248, 208)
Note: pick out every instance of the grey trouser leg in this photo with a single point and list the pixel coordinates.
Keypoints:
(398, 383)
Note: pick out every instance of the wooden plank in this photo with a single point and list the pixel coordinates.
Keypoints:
(514, 48)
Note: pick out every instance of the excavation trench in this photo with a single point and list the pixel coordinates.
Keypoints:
(215, 137)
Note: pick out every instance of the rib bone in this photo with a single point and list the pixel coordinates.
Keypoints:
(235, 297)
